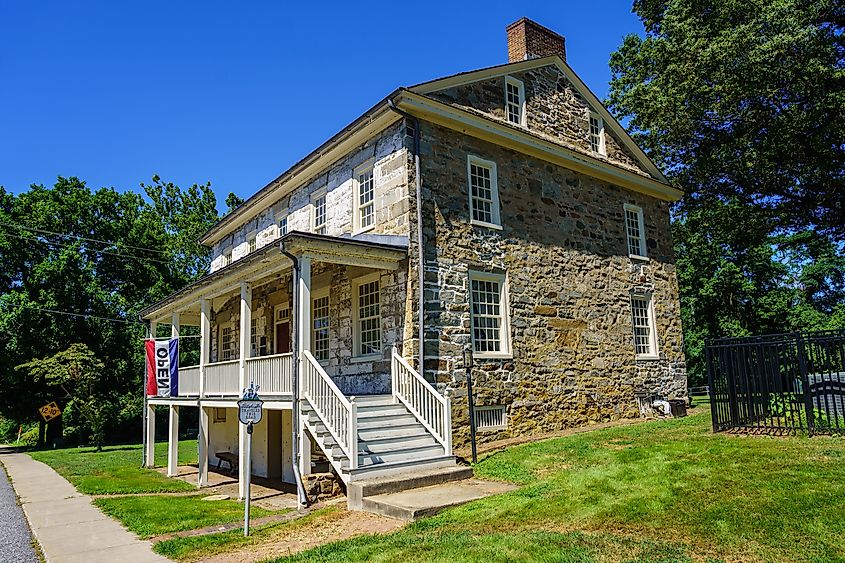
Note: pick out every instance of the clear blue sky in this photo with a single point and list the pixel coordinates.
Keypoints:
(236, 92)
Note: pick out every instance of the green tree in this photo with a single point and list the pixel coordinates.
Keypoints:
(741, 103)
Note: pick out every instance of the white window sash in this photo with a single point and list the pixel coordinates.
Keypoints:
(640, 225)
(520, 101)
(495, 218)
(600, 147)
(316, 296)
(503, 316)
(358, 319)
(650, 326)
(317, 214)
(365, 210)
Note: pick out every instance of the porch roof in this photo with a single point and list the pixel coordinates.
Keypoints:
(369, 250)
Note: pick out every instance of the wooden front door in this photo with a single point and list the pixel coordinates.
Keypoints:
(283, 337)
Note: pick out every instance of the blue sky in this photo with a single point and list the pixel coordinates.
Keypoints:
(234, 93)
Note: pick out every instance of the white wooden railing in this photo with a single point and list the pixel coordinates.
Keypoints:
(189, 381)
(337, 413)
(271, 373)
(222, 378)
(431, 408)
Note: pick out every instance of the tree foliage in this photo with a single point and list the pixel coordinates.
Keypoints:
(741, 102)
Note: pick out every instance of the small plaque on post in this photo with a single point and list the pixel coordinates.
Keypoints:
(250, 407)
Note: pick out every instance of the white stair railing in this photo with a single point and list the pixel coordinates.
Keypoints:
(337, 413)
(431, 408)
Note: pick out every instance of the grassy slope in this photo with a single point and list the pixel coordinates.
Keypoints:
(661, 491)
(117, 469)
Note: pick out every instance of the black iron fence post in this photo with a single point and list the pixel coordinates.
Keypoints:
(805, 383)
(708, 353)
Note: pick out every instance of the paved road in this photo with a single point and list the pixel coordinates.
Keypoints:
(15, 537)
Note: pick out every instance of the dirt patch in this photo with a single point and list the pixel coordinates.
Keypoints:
(337, 526)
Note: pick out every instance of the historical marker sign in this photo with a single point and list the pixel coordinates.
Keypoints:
(50, 411)
(249, 411)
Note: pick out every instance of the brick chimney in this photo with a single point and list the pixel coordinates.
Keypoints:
(528, 39)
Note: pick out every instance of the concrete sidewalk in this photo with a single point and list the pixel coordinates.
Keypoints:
(67, 525)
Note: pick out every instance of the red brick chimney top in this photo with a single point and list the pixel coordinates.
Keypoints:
(528, 39)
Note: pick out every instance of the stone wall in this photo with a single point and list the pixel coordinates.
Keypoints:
(386, 152)
(563, 249)
(553, 106)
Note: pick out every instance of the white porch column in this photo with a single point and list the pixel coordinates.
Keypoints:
(303, 335)
(150, 429)
(205, 334)
(202, 441)
(246, 323)
(173, 442)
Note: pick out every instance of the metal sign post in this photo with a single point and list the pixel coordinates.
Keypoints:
(468, 364)
(250, 409)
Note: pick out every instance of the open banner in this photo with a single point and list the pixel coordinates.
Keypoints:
(162, 367)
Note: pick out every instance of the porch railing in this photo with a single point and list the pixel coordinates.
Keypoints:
(431, 408)
(222, 378)
(337, 413)
(189, 381)
(271, 373)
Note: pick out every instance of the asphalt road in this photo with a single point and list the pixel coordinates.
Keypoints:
(15, 537)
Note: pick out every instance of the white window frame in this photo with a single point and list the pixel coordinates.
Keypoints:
(494, 189)
(602, 146)
(252, 242)
(356, 318)
(233, 344)
(520, 87)
(505, 350)
(315, 228)
(652, 353)
(227, 257)
(643, 252)
(282, 216)
(320, 294)
(356, 197)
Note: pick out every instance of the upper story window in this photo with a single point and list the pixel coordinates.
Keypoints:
(645, 334)
(514, 100)
(253, 337)
(364, 200)
(320, 329)
(227, 343)
(597, 134)
(489, 313)
(367, 333)
(282, 222)
(252, 244)
(635, 231)
(483, 192)
(227, 257)
(319, 214)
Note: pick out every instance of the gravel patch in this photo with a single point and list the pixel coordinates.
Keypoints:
(15, 537)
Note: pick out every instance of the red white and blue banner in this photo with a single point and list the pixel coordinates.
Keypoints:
(162, 367)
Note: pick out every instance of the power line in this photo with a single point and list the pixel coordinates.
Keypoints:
(46, 232)
(71, 314)
(118, 254)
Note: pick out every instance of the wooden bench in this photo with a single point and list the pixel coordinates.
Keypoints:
(228, 457)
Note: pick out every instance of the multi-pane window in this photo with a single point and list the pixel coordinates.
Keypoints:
(489, 314)
(643, 319)
(320, 215)
(365, 210)
(635, 230)
(227, 258)
(252, 244)
(368, 319)
(282, 222)
(597, 134)
(253, 336)
(320, 333)
(227, 343)
(514, 101)
(483, 192)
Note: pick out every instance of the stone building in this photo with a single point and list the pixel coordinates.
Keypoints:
(501, 210)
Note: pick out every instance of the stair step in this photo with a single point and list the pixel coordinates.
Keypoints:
(409, 454)
(392, 431)
(369, 400)
(386, 421)
(371, 411)
(390, 447)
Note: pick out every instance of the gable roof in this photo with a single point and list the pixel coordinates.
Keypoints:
(611, 123)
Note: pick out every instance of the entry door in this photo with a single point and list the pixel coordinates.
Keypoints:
(283, 337)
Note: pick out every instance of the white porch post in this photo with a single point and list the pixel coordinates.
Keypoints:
(303, 332)
(150, 430)
(173, 434)
(246, 323)
(202, 437)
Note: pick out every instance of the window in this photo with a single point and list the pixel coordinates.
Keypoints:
(483, 192)
(320, 321)
(253, 337)
(252, 244)
(597, 134)
(364, 200)
(645, 341)
(227, 257)
(488, 309)
(491, 417)
(227, 343)
(635, 231)
(282, 222)
(514, 101)
(319, 223)
(367, 334)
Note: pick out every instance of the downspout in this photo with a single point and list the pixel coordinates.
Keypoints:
(300, 488)
(420, 250)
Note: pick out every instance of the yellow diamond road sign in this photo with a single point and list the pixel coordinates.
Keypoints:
(50, 411)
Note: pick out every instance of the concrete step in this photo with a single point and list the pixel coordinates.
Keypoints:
(409, 479)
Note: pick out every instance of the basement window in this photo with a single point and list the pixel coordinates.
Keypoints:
(491, 418)
(597, 144)
(635, 231)
(514, 100)
(483, 193)
(645, 333)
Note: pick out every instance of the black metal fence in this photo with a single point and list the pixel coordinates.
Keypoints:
(778, 383)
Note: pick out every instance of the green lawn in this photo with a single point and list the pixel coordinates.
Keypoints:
(660, 491)
(153, 515)
(117, 469)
